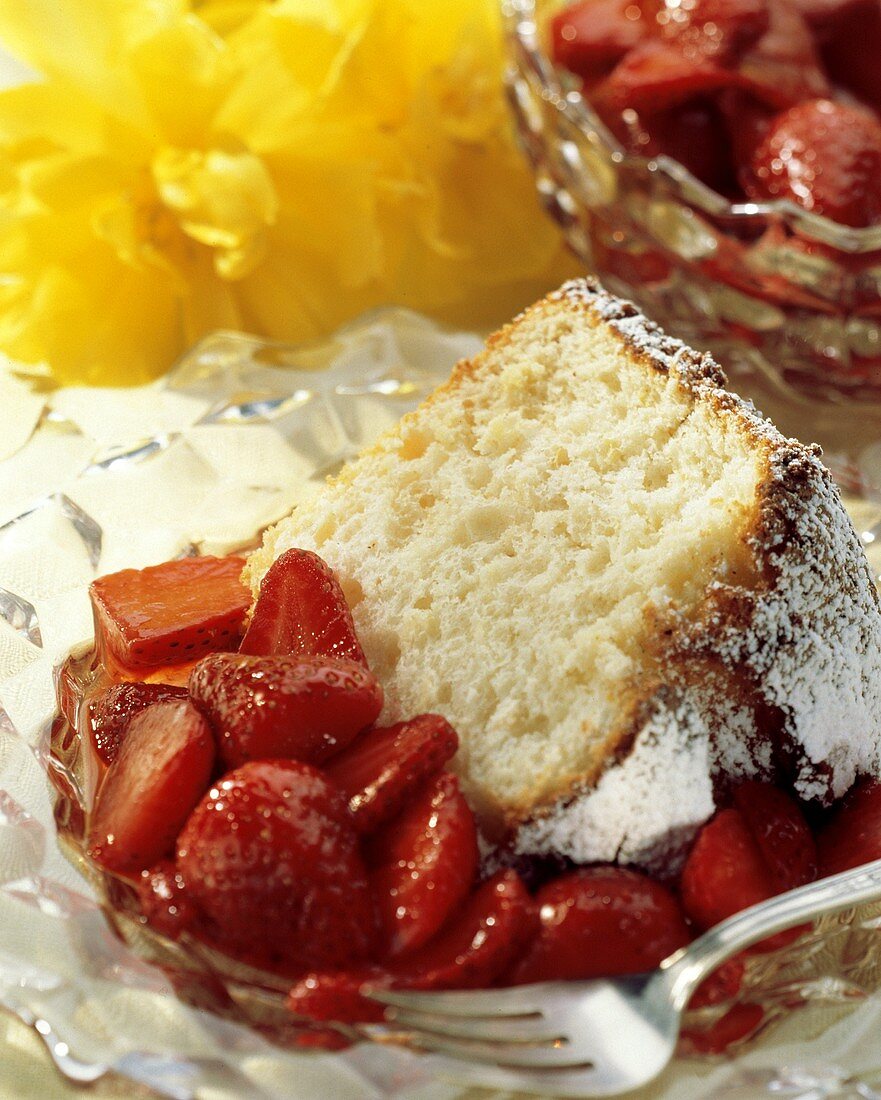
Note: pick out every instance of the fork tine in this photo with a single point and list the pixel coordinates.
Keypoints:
(517, 1030)
(493, 1054)
(464, 1003)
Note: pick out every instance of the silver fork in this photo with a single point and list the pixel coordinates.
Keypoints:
(602, 1037)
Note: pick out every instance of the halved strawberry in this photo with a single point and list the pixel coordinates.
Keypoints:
(716, 29)
(381, 769)
(590, 38)
(601, 922)
(783, 67)
(301, 610)
(739, 1022)
(722, 984)
(779, 828)
(302, 708)
(725, 871)
(655, 75)
(272, 860)
(337, 996)
(423, 864)
(472, 951)
(161, 772)
(479, 943)
(824, 156)
(111, 712)
(164, 900)
(170, 613)
(852, 834)
(760, 847)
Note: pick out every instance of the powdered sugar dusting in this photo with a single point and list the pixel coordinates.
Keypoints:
(644, 811)
(808, 638)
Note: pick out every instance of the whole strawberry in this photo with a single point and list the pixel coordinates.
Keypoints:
(272, 861)
(826, 157)
(303, 708)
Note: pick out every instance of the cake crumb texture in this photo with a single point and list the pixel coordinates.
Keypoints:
(617, 581)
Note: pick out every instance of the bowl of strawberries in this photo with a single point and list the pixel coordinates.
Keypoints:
(719, 161)
(250, 826)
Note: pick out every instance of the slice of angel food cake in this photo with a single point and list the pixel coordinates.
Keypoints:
(624, 588)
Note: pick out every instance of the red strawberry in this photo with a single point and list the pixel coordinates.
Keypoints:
(380, 770)
(272, 860)
(722, 985)
(601, 922)
(746, 854)
(783, 67)
(479, 943)
(852, 835)
(301, 610)
(303, 708)
(824, 156)
(111, 712)
(170, 613)
(724, 872)
(739, 1022)
(423, 865)
(655, 75)
(336, 996)
(160, 774)
(165, 903)
(781, 832)
(716, 29)
(590, 38)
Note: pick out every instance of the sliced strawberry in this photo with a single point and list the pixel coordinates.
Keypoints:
(758, 848)
(722, 984)
(170, 613)
(720, 30)
(590, 38)
(423, 865)
(111, 712)
(301, 610)
(655, 75)
(852, 835)
(272, 860)
(724, 872)
(826, 157)
(738, 1023)
(480, 943)
(302, 708)
(781, 832)
(601, 922)
(337, 996)
(381, 769)
(161, 772)
(783, 67)
(164, 900)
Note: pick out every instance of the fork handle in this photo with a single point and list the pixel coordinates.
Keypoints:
(687, 968)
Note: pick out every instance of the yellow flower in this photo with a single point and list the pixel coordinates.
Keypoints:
(274, 167)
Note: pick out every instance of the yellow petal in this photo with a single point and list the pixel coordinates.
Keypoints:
(81, 43)
(223, 200)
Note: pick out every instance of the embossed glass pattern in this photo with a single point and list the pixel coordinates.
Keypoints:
(228, 442)
(788, 301)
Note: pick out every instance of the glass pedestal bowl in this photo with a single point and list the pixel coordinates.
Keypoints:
(789, 302)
